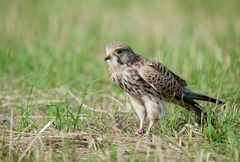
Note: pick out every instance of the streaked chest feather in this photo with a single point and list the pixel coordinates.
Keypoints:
(129, 80)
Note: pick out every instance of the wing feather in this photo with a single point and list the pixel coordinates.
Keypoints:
(161, 68)
(162, 79)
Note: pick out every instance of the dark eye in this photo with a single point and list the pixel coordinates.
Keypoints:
(119, 51)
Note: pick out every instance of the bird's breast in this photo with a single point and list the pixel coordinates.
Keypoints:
(130, 81)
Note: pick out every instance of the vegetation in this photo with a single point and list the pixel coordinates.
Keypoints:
(57, 102)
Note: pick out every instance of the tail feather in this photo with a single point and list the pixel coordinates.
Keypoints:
(188, 102)
(192, 105)
(197, 96)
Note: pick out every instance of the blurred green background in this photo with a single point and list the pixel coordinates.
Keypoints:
(47, 44)
(51, 43)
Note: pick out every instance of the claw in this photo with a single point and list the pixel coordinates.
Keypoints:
(141, 131)
(147, 134)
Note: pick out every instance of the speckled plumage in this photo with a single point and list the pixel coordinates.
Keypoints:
(144, 77)
(148, 83)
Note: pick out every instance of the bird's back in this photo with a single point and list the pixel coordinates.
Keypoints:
(162, 79)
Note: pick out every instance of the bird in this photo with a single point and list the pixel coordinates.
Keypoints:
(149, 84)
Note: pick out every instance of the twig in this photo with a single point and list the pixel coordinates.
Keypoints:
(84, 105)
(11, 131)
(114, 99)
(35, 138)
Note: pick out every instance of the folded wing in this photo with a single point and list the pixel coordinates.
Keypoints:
(162, 80)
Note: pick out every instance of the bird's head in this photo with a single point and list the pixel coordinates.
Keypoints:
(119, 54)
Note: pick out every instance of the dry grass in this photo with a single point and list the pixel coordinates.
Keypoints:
(57, 102)
(96, 141)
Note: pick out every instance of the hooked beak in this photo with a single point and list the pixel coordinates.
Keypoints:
(108, 56)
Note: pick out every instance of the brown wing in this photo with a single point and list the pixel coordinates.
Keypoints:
(162, 80)
(161, 68)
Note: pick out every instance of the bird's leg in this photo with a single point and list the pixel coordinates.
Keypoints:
(141, 130)
(155, 110)
(149, 127)
(140, 109)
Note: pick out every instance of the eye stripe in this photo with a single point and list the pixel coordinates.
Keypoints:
(119, 60)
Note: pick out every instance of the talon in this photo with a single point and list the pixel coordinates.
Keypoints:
(141, 131)
(147, 134)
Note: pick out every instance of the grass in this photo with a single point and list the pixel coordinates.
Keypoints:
(57, 102)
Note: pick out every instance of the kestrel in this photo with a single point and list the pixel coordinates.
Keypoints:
(148, 83)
